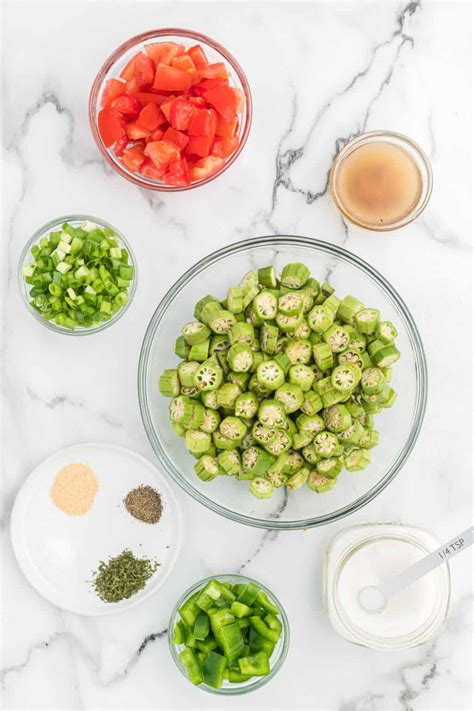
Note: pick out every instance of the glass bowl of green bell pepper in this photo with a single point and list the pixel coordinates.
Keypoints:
(77, 275)
(228, 634)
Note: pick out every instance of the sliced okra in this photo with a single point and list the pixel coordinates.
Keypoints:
(319, 483)
(249, 295)
(246, 405)
(186, 371)
(302, 439)
(221, 321)
(270, 374)
(267, 277)
(258, 357)
(369, 439)
(359, 358)
(291, 397)
(312, 402)
(283, 361)
(269, 338)
(298, 479)
(222, 442)
(337, 338)
(265, 305)
(261, 488)
(211, 421)
(230, 462)
(310, 423)
(235, 300)
(299, 351)
(233, 428)
(357, 460)
(366, 320)
(389, 399)
(325, 291)
(332, 397)
(323, 356)
(240, 379)
(372, 380)
(241, 333)
(330, 468)
(271, 413)
(195, 332)
(197, 442)
(385, 355)
(181, 410)
(206, 468)
(208, 310)
(181, 347)
(345, 377)
(278, 479)
(348, 308)
(386, 332)
(249, 279)
(293, 462)
(310, 454)
(169, 383)
(320, 318)
(263, 434)
(209, 399)
(353, 433)
(301, 375)
(202, 303)
(291, 303)
(200, 351)
(332, 303)
(288, 323)
(280, 444)
(240, 357)
(256, 387)
(294, 275)
(302, 331)
(219, 343)
(325, 444)
(256, 461)
(208, 376)
(337, 418)
(227, 394)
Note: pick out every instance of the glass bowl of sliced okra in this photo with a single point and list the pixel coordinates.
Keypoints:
(282, 382)
(77, 275)
(228, 634)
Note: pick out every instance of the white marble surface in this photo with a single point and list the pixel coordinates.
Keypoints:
(320, 72)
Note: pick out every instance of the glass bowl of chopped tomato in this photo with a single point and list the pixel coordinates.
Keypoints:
(170, 109)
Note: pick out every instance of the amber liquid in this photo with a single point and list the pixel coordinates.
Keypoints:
(378, 184)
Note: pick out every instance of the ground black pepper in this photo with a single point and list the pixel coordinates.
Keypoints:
(144, 503)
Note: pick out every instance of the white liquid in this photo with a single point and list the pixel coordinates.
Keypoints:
(375, 563)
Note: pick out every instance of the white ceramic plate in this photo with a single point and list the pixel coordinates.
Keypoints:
(58, 553)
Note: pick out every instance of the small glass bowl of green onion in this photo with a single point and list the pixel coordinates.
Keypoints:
(226, 625)
(77, 275)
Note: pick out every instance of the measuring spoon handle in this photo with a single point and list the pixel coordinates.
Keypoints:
(430, 562)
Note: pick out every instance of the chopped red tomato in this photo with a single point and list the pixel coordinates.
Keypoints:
(203, 123)
(214, 71)
(181, 113)
(135, 132)
(120, 145)
(128, 71)
(171, 116)
(127, 106)
(144, 70)
(177, 137)
(184, 62)
(164, 52)
(171, 79)
(206, 167)
(222, 98)
(111, 126)
(133, 158)
(162, 153)
(226, 130)
(198, 56)
(112, 89)
(224, 147)
(178, 174)
(148, 170)
(199, 146)
(151, 116)
(146, 97)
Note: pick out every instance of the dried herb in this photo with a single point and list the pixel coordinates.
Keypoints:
(144, 503)
(122, 576)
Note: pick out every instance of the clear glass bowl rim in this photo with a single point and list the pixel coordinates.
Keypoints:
(139, 39)
(380, 134)
(48, 227)
(420, 362)
(235, 689)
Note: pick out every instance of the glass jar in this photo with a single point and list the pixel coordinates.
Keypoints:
(381, 551)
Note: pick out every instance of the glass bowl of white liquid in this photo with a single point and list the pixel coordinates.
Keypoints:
(370, 555)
